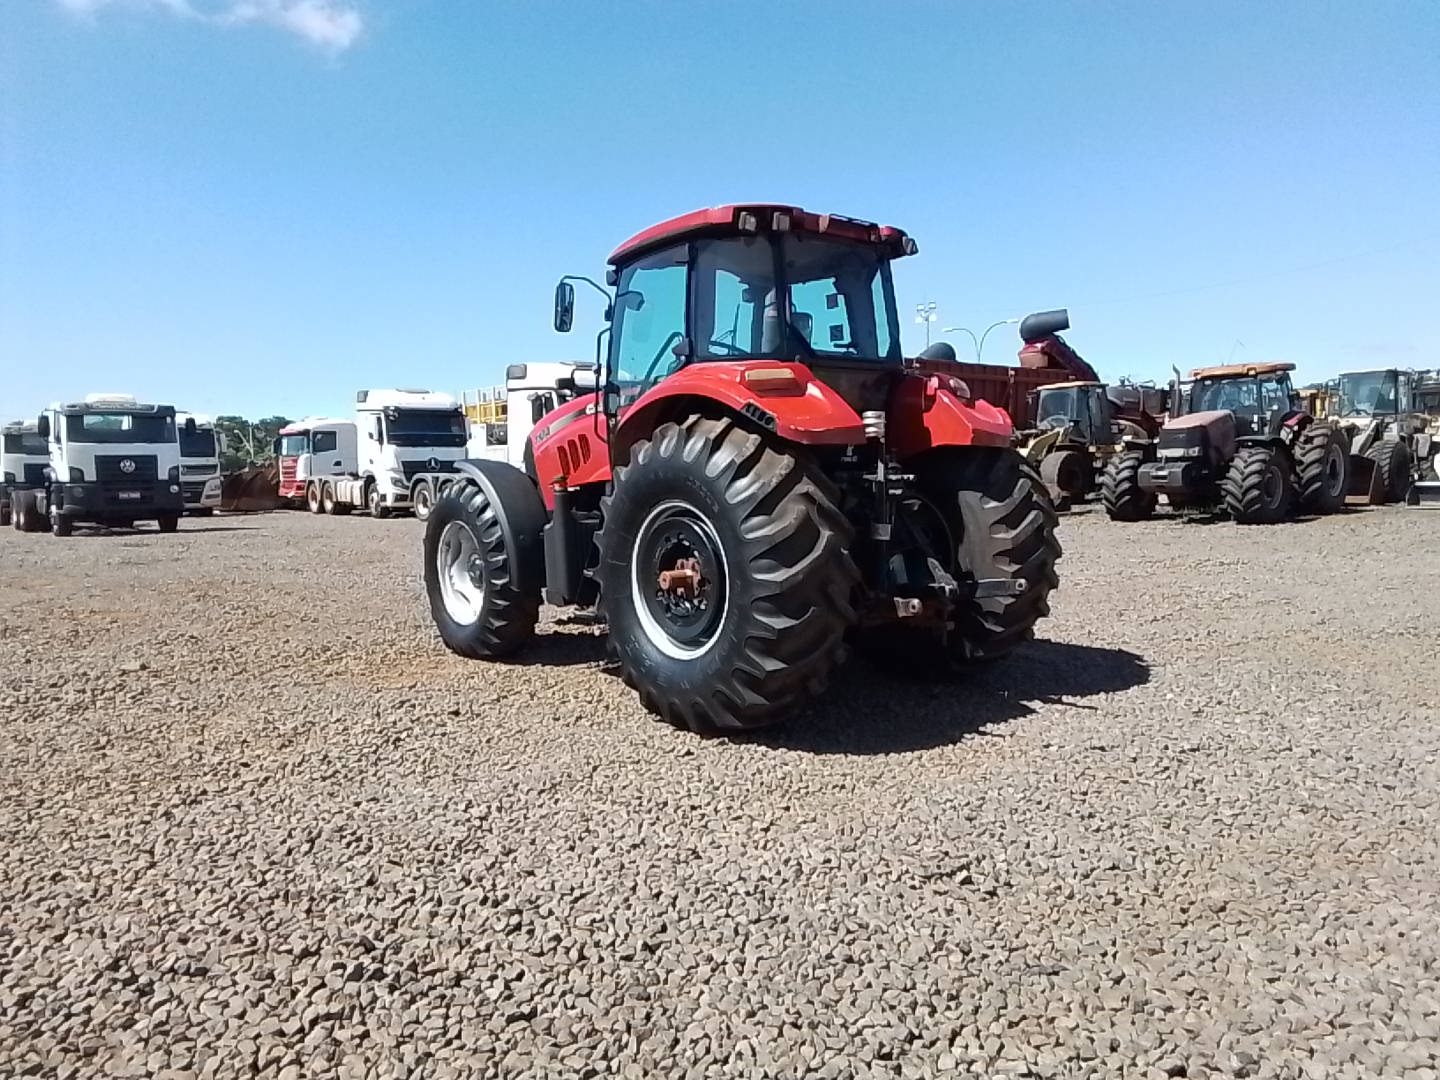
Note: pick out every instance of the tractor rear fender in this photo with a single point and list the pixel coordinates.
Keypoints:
(521, 515)
(928, 411)
(785, 398)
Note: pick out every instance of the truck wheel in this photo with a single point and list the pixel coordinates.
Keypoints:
(1120, 490)
(374, 502)
(168, 524)
(725, 576)
(61, 525)
(1258, 489)
(4, 515)
(1066, 474)
(1392, 462)
(423, 499)
(1322, 468)
(470, 575)
(312, 498)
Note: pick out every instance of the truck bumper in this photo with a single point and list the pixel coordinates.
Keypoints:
(1171, 477)
(201, 494)
(94, 502)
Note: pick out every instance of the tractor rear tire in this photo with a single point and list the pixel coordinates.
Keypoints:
(1322, 468)
(1392, 462)
(1120, 490)
(470, 572)
(1258, 489)
(760, 626)
(1066, 474)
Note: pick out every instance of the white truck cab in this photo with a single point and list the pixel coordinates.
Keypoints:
(112, 460)
(200, 463)
(24, 456)
(502, 418)
(315, 447)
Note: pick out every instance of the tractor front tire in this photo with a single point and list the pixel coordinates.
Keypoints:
(754, 621)
(470, 573)
(1392, 462)
(1120, 491)
(1258, 489)
(1322, 468)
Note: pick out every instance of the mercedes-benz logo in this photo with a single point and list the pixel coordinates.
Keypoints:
(434, 464)
(126, 465)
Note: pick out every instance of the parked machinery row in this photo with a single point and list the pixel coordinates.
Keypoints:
(108, 460)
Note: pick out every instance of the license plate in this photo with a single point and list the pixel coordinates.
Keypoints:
(127, 494)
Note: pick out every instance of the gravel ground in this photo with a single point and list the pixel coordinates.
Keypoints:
(255, 821)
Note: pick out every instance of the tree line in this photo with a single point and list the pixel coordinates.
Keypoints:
(248, 442)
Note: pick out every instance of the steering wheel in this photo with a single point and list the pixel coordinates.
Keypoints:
(669, 341)
(1058, 420)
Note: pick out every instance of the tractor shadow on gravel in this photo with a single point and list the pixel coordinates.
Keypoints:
(870, 711)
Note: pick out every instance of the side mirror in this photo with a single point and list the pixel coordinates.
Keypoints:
(190, 425)
(564, 307)
(42, 426)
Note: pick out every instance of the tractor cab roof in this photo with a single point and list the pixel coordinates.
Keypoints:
(1240, 371)
(739, 219)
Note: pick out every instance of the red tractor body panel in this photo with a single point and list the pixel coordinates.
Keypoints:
(569, 447)
(926, 414)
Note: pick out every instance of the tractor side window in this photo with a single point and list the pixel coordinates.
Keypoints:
(1274, 395)
(649, 322)
(325, 442)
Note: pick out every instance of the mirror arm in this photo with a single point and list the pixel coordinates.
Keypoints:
(597, 287)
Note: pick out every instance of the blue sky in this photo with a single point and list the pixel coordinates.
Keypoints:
(258, 206)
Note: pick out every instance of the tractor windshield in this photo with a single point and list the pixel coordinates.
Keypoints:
(1057, 406)
(1249, 396)
(821, 298)
(1368, 393)
(293, 445)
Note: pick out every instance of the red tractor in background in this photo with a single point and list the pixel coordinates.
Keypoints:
(758, 477)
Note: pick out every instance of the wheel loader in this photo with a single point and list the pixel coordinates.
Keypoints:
(1238, 441)
(1388, 431)
(760, 479)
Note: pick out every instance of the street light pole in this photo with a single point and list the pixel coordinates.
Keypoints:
(926, 313)
(980, 341)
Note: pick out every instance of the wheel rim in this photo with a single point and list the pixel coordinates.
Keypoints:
(422, 503)
(1273, 487)
(460, 569)
(1335, 472)
(678, 580)
(374, 500)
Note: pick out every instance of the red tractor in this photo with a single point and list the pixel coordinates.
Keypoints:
(757, 477)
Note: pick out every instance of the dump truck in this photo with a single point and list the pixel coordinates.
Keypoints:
(24, 457)
(760, 476)
(1239, 441)
(112, 461)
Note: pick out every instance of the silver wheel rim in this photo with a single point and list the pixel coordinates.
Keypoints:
(422, 503)
(654, 631)
(460, 571)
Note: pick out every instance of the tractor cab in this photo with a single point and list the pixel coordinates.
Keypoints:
(1083, 411)
(742, 283)
(1374, 393)
(1259, 396)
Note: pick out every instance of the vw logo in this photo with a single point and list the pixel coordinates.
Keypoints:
(126, 465)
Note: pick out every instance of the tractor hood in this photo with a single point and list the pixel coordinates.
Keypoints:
(1215, 426)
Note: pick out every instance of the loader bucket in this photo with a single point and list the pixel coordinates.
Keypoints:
(251, 489)
(1366, 484)
(1425, 493)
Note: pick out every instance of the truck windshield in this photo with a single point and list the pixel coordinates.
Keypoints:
(1367, 393)
(425, 427)
(1057, 407)
(199, 445)
(26, 442)
(294, 445)
(836, 299)
(119, 427)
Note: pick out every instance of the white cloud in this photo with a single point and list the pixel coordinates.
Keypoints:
(333, 25)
